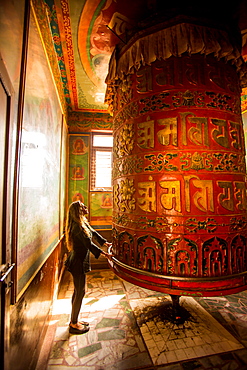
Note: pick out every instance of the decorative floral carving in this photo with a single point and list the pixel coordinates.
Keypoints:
(154, 103)
(127, 113)
(230, 162)
(219, 101)
(161, 162)
(124, 142)
(188, 99)
(115, 195)
(127, 191)
(125, 92)
(127, 165)
(238, 223)
(210, 225)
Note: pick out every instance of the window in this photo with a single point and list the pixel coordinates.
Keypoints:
(101, 165)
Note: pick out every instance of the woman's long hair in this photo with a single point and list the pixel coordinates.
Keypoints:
(75, 215)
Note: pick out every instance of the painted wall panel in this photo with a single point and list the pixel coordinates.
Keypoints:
(101, 210)
(78, 168)
(38, 219)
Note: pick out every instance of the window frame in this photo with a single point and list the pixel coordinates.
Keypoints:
(94, 149)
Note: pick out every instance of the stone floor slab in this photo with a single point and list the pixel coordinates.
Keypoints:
(127, 331)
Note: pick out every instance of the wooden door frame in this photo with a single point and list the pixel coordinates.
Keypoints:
(21, 96)
(11, 188)
(5, 217)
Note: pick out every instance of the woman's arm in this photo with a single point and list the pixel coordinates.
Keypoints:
(85, 242)
(99, 238)
(89, 244)
(82, 243)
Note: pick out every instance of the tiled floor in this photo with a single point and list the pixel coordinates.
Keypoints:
(130, 329)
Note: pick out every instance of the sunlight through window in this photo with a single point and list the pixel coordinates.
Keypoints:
(101, 174)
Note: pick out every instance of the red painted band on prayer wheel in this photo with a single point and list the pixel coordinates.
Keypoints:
(179, 176)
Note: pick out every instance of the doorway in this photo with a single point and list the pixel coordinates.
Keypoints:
(6, 265)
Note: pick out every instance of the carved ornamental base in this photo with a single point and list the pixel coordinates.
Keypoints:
(181, 286)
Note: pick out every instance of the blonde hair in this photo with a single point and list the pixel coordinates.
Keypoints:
(75, 215)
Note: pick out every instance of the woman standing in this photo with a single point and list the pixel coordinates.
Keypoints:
(79, 235)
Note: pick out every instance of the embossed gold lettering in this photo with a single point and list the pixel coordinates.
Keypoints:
(146, 134)
(147, 191)
(119, 23)
(166, 77)
(220, 135)
(240, 194)
(226, 198)
(203, 199)
(171, 198)
(235, 131)
(144, 80)
(168, 135)
(197, 134)
(193, 71)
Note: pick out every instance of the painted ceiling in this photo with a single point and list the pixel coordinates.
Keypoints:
(85, 34)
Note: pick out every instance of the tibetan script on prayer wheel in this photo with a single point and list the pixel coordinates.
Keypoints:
(179, 178)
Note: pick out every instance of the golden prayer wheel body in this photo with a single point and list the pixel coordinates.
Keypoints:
(179, 175)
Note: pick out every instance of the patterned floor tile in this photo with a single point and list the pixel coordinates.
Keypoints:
(129, 330)
(209, 337)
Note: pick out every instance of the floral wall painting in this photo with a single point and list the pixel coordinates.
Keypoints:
(78, 168)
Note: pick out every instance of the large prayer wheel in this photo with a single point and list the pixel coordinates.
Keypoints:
(179, 175)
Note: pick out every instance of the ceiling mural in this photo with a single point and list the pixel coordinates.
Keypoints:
(85, 34)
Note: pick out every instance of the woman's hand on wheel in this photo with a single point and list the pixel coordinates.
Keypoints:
(107, 255)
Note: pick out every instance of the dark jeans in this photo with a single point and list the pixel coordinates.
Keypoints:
(77, 297)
